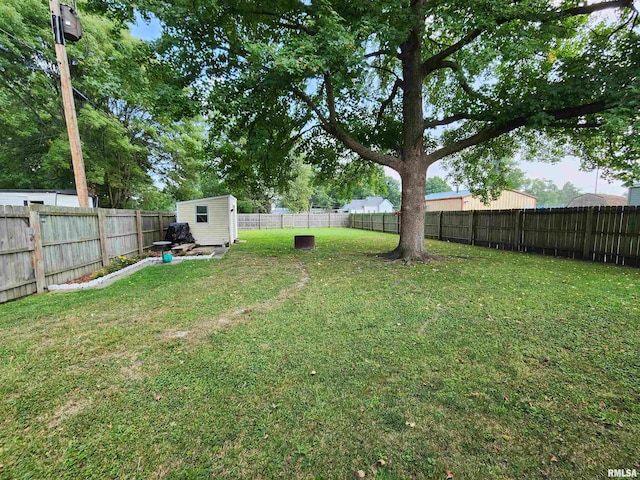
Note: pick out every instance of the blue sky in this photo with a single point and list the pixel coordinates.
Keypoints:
(145, 30)
(568, 170)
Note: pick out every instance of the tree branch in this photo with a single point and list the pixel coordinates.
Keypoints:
(384, 69)
(455, 67)
(312, 105)
(364, 152)
(297, 27)
(331, 99)
(445, 121)
(596, 7)
(433, 62)
(513, 124)
(333, 129)
(379, 53)
(388, 101)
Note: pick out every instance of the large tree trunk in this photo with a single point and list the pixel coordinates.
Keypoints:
(414, 160)
(411, 246)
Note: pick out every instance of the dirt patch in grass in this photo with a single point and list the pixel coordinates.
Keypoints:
(69, 409)
(134, 370)
(239, 315)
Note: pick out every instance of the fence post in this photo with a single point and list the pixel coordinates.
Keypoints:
(161, 225)
(471, 232)
(309, 218)
(440, 225)
(282, 221)
(37, 255)
(329, 219)
(102, 229)
(139, 229)
(517, 230)
(259, 221)
(371, 221)
(588, 234)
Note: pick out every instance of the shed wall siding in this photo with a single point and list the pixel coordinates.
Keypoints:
(216, 231)
(447, 204)
(507, 201)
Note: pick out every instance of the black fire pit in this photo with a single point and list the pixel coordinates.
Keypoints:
(304, 242)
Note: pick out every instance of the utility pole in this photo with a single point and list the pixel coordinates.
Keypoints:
(69, 104)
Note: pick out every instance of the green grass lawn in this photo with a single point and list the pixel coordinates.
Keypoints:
(272, 363)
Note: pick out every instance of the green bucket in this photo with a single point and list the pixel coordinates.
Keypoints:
(166, 257)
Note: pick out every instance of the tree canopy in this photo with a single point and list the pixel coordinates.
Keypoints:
(135, 118)
(436, 185)
(406, 84)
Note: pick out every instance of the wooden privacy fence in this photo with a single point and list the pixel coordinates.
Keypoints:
(45, 245)
(268, 221)
(602, 234)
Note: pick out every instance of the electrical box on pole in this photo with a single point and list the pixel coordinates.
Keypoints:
(70, 23)
(60, 32)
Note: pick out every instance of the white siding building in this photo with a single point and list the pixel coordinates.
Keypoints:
(212, 221)
(60, 198)
(369, 205)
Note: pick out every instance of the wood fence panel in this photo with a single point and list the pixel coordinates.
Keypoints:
(165, 220)
(122, 235)
(44, 245)
(630, 250)
(70, 242)
(604, 234)
(455, 226)
(377, 220)
(432, 225)
(150, 229)
(17, 276)
(268, 221)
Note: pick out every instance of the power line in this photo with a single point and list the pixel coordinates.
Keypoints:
(22, 42)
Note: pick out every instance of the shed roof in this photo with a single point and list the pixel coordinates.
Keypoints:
(609, 200)
(614, 200)
(197, 200)
(445, 195)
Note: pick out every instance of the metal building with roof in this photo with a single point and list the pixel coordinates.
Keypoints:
(464, 200)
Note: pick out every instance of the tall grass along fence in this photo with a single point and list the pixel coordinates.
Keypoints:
(267, 221)
(45, 245)
(602, 234)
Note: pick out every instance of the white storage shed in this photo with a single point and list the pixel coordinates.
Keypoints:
(212, 221)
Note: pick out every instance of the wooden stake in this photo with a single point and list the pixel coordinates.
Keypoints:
(69, 105)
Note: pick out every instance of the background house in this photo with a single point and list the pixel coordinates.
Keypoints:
(598, 200)
(369, 205)
(212, 221)
(60, 198)
(464, 200)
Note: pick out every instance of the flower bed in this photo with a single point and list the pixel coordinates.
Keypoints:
(109, 278)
